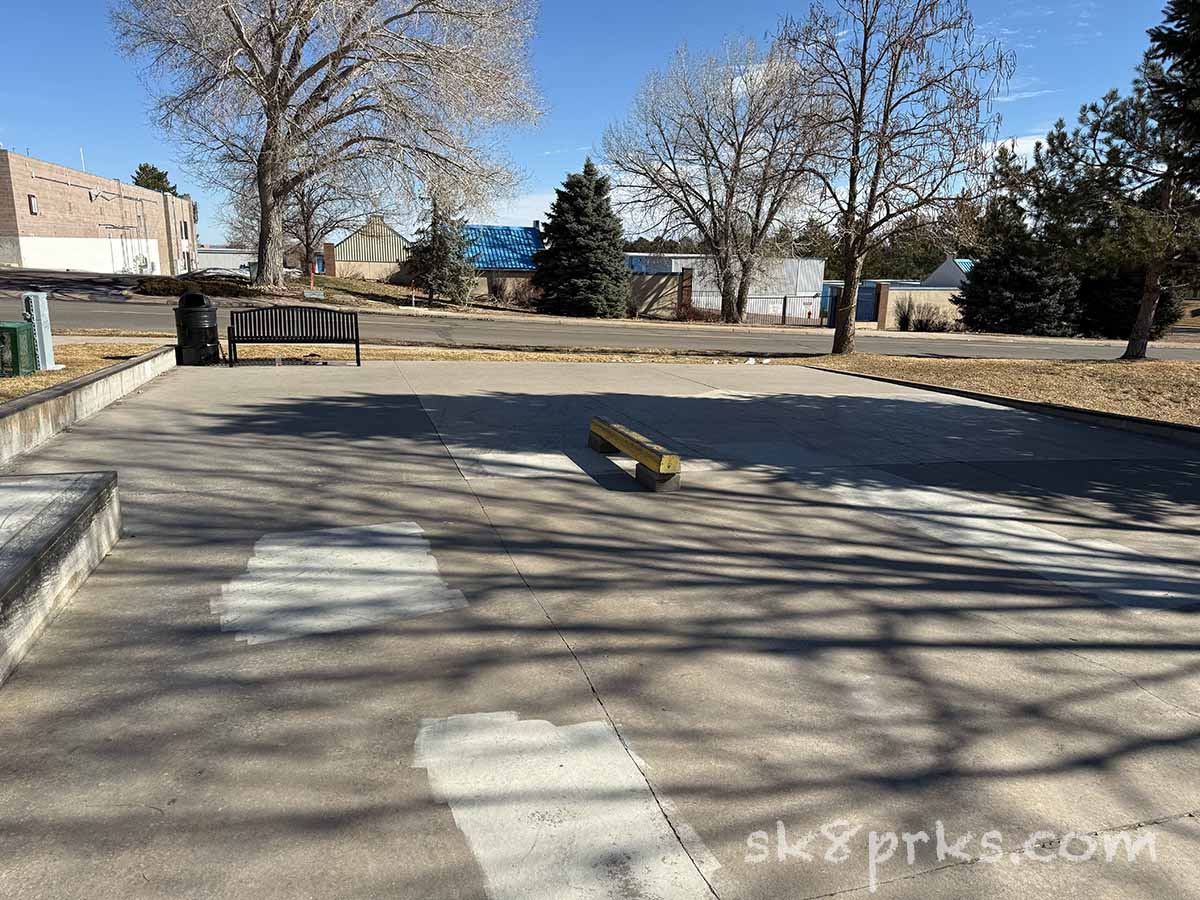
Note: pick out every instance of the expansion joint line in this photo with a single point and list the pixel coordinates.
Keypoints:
(633, 758)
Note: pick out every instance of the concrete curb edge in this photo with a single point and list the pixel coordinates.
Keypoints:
(29, 421)
(1170, 431)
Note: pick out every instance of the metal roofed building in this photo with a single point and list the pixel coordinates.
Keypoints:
(949, 274)
(503, 248)
(503, 256)
(375, 252)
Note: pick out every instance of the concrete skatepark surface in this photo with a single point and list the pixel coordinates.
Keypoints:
(870, 610)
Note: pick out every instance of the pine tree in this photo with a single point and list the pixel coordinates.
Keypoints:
(1175, 86)
(582, 270)
(152, 177)
(1016, 286)
(439, 263)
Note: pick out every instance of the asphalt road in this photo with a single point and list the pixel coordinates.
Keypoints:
(94, 301)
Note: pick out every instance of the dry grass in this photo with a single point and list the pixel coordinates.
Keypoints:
(356, 292)
(79, 359)
(1168, 390)
(316, 354)
(110, 332)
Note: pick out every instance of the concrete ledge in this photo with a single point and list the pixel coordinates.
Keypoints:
(1170, 431)
(56, 529)
(30, 421)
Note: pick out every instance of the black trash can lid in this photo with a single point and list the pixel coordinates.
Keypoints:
(193, 299)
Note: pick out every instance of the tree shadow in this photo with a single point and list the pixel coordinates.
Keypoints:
(776, 642)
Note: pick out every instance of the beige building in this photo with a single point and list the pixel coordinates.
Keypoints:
(54, 217)
(375, 252)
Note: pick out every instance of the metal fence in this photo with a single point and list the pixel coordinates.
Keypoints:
(801, 309)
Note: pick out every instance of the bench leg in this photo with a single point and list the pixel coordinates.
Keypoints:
(652, 481)
(357, 353)
(600, 445)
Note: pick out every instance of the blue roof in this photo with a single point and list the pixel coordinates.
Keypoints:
(965, 264)
(502, 247)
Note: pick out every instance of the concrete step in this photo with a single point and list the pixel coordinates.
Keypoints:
(54, 530)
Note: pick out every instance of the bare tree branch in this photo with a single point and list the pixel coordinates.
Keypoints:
(290, 90)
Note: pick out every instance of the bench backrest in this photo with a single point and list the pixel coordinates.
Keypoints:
(295, 324)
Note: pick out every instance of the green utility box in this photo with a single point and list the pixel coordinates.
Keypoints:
(18, 356)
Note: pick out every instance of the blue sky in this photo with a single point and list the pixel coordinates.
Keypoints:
(64, 86)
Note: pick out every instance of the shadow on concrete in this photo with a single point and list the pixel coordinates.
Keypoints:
(772, 651)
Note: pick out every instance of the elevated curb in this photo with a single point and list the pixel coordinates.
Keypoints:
(57, 529)
(29, 421)
(1170, 431)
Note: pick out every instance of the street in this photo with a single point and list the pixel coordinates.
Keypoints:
(98, 304)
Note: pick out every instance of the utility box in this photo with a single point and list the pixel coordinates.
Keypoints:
(17, 353)
(37, 314)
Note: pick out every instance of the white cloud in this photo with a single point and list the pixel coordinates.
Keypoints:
(1025, 95)
(566, 150)
(1022, 146)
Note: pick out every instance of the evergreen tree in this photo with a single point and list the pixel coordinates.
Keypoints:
(1016, 286)
(582, 271)
(440, 263)
(1175, 85)
(152, 177)
(1108, 305)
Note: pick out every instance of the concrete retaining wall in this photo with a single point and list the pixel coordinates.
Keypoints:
(30, 421)
(56, 530)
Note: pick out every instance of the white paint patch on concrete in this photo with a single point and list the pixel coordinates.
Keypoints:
(316, 582)
(1112, 572)
(475, 462)
(556, 813)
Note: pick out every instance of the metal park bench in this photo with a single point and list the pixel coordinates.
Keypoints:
(292, 325)
(658, 469)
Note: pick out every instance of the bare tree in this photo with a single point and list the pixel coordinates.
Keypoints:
(288, 89)
(717, 146)
(240, 214)
(321, 206)
(906, 93)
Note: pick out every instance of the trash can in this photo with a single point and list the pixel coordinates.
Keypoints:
(196, 337)
(18, 355)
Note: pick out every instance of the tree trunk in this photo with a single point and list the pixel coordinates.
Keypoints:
(843, 334)
(729, 296)
(1139, 339)
(308, 250)
(270, 224)
(743, 292)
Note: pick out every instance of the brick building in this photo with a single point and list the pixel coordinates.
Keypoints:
(53, 217)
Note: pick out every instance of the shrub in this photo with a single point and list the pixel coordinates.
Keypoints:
(523, 294)
(904, 314)
(691, 313)
(930, 317)
(167, 286)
